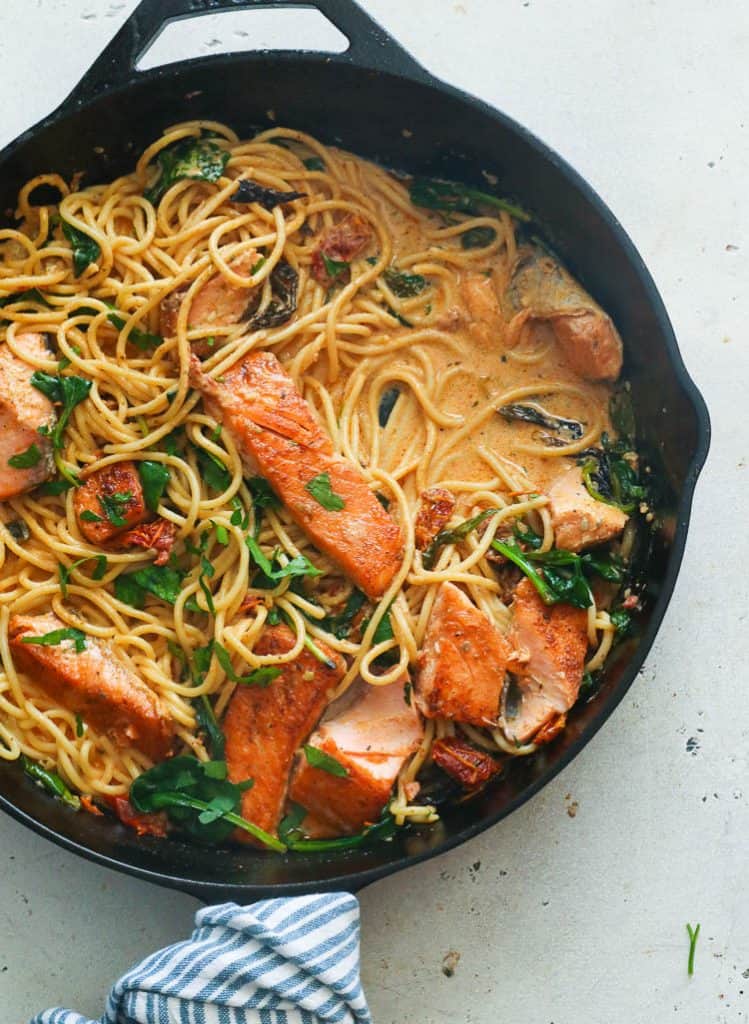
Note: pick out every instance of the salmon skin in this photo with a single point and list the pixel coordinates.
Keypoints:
(264, 726)
(93, 683)
(279, 437)
(370, 740)
(23, 409)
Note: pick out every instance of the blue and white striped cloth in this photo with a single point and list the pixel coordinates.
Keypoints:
(283, 961)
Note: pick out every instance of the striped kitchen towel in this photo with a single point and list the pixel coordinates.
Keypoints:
(282, 961)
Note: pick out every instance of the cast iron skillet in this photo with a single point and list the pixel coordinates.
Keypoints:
(376, 100)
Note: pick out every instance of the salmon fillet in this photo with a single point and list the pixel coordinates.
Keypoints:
(94, 684)
(586, 335)
(279, 437)
(218, 303)
(485, 321)
(591, 344)
(462, 662)
(548, 662)
(23, 409)
(371, 739)
(107, 484)
(264, 726)
(579, 520)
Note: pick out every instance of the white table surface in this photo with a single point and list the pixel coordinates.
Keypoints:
(557, 919)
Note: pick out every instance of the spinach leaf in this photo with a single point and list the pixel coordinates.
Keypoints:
(85, 250)
(314, 163)
(154, 477)
(58, 636)
(253, 192)
(565, 573)
(477, 238)
(404, 285)
(55, 487)
(208, 723)
(387, 404)
(161, 581)
(50, 781)
(115, 506)
(263, 495)
(340, 625)
(381, 831)
(399, 317)
(513, 553)
(262, 676)
(204, 713)
(320, 489)
(64, 571)
(455, 198)
(610, 474)
(212, 470)
(335, 268)
(532, 414)
(18, 530)
(26, 459)
(284, 282)
(198, 799)
(196, 159)
(290, 825)
(453, 535)
(143, 340)
(317, 758)
(622, 621)
(67, 392)
(273, 571)
(527, 536)
(30, 296)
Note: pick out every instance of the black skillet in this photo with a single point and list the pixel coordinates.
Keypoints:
(376, 100)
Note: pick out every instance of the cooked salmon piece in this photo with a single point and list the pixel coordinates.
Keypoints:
(550, 644)
(585, 334)
(94, 683)
(436, 506)
(591, 344)
(371, 740)
(23, 409)
(462, 662)
(468, 765)
(158, 536)
(579, 520)
(114, 495)
(218, 303)
(264, 726)
(325, 494)
(485, 320)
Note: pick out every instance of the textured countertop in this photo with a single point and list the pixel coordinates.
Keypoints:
(573, 910)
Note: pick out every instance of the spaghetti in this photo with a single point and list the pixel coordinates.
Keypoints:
(349, 346)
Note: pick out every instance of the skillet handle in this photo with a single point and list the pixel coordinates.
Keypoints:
(369, 45)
